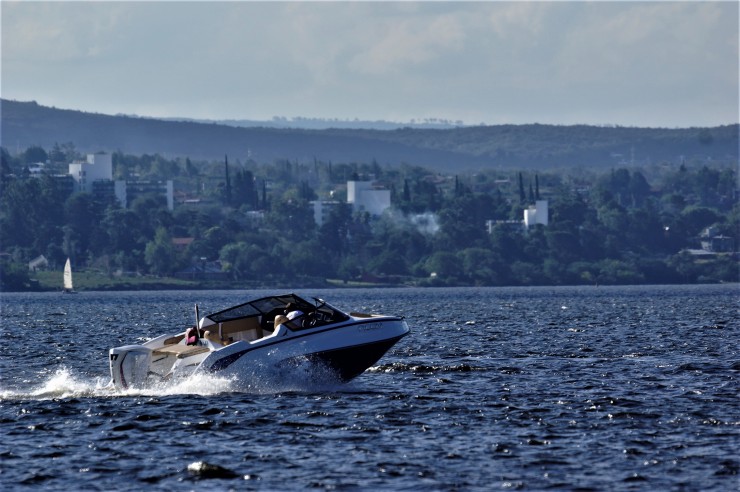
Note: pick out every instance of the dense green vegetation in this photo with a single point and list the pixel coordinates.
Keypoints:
(253, 221)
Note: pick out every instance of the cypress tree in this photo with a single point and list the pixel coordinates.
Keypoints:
(227, 198)
(522, 197)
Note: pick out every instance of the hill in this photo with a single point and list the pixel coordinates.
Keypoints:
(323, 124)
(500, 146)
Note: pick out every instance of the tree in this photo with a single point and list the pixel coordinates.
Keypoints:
(190, 169)
(563, 242)
(522, 197)
(639, 189)
(616, 224)
(506, 243)
(235, 259)
(147, 208)
(616, 272)
(160, 254)
(308, 258)
(13, 276)
(18, 213)
(163, 169)
(334, 232)
(82, 215)
(388, 263)
(6, 168)
(35, 154)
(444, 264)
(462, 221)
(244, 192)
(292, 220)
(123, 230)
(227, 194)
(695, 219)
(569, 207)
(406, 241)
(482, 267)
(209, 245)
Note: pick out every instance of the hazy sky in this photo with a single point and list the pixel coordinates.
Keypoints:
(670, 64)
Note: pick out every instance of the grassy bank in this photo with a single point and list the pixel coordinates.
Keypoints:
(95, 280)
(89, 280)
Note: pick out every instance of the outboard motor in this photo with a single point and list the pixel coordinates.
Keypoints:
(129, 365)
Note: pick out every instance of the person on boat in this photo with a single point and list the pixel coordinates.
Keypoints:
(291, 312)
(192, 335)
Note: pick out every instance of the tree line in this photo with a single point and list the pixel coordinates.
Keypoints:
(254, 221)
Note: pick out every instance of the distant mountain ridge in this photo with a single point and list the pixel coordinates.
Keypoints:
(325, 124)
(500, 146)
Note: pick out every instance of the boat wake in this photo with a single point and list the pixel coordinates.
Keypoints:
(64, 384)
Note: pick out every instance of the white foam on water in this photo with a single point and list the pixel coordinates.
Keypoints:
(64, 384)
(61, 384)
(196, 384)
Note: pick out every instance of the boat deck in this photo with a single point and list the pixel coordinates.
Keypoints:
(181, 351)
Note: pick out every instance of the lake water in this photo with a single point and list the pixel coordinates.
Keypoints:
(583, 388)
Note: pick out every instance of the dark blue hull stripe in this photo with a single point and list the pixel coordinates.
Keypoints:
(226, 361)
(347, 362)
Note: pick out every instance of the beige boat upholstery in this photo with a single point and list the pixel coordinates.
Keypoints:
(181, 351)
(245, 329)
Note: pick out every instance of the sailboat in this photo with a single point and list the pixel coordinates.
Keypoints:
(68, 286)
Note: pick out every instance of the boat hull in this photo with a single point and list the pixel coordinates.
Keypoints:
(338, 352)
(349, 362)
(341, 352)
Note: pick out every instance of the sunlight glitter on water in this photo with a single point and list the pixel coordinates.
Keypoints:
(629, 388)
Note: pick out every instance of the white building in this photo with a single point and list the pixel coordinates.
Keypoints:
(98, 167)
(365, 198)
(537, 214)
(128, 191)
(322, 209)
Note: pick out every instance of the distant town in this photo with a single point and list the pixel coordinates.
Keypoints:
(146, 221)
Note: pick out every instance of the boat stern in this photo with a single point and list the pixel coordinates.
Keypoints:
(129, 365)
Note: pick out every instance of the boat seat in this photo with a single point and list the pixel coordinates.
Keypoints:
(214, 338)
(182, 351)
(245, 329)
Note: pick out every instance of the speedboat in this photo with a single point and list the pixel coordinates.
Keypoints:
(243, 341)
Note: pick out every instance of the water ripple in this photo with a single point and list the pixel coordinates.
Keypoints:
(530, 388)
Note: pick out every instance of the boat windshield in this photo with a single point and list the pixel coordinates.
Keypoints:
(319, 313)
(236, 312)
(266, 305)
(269, 304)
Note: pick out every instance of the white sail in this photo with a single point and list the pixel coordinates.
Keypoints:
(68, 276)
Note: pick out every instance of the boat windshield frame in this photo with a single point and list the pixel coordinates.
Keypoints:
(270, 305)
